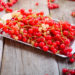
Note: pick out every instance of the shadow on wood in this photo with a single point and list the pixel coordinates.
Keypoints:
(34, 50)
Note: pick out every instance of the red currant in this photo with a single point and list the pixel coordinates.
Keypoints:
(45, 48)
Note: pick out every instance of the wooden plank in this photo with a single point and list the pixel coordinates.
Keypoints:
(1, 49)
(64, 13)
(1, 39)
(19, 59)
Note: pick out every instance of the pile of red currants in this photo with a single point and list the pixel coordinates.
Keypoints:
(40, 31)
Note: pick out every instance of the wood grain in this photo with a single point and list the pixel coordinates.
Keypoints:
(1, 39)
(64, 13)
(19, 59)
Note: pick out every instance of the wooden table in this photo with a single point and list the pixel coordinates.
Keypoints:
(19, 59)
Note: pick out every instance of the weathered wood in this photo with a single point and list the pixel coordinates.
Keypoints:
(64, 13)
(19, 59)
(1, 49)
(1, 38)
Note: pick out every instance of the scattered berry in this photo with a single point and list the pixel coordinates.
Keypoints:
(6, 6)
(68, 71)
(52, 5)
(36, 3)
(73, 14)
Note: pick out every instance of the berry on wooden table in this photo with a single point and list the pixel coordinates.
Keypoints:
(66, 71)
(52, 5)
(73, 14)
(36, 3)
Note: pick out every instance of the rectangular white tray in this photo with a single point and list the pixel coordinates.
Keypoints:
(8, 16)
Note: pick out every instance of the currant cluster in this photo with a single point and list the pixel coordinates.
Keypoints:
(6, 6)
(40, 31)
(68, 71)
(52, 5)
(72, 59)
(73, 14)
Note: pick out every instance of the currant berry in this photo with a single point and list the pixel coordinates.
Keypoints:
(41, 44)
(36, 44)
(49, 42)
(65, 33)
(36, 3)
(8, 10)
(9, 4)
(45, 48)
(24, 40)
(30, 31)
(48, 37)
(71, 60)
(67, 42)
(1, 25)
(62, 46)
(64, 70)
(1, 8)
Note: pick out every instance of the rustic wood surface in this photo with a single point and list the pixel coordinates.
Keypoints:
(19, 59)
